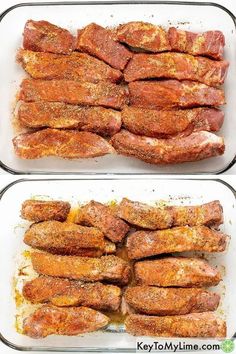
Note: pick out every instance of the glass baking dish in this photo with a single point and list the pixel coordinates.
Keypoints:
(194, 16)
(175, 191)
(186, 15)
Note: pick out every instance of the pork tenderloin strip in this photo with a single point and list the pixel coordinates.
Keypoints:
(66, 238)
(103, 121)
(143, 244)
(70, 321)
(194, 147)
(43, 210)
(201, 325)
(98, 215)
(174, 93)
(100, 42)
(74, 92)
(149, 217)
(64, 292)
(143, 36)
(152, 300)
(178, 66)
(43, 36)
(170, 123)
(210, 43)
(76, 66)
(176, 271)
(69, 144)
(107, 268)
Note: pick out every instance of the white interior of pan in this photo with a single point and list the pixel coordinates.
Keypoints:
(189, 17)
(177, 192)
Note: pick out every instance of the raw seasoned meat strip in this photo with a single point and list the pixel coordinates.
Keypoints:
(98, 215)
(143, 35)
(42, 210)
(41, 114)
(142, 244)
(172, 122)
(107, 268)
(152, 300)
(65, 292)
(43, 36)
(99, 42)
(69, 144)
(205, 325)
(176, 66)
(74, 92)
(76, 66)
(69, 321)
(176, 271)
(174, 93)
(196, 146)
(210, 43)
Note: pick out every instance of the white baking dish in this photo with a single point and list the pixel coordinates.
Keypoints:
(188, 192)
(189, 16)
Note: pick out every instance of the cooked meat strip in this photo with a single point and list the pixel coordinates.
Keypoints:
(69, 144)
(41, 114)
(42, 210)
(205, 325)
(176, 271)
(171, 123)
(77, 66)
(178, 66)
(98, 215)
(174, 93)
(209, 214)
(65, 292)
(210, 43)
(144, 215)
(152, 300)
(43, 36)
(65, 238)
(143, 35)
(74, 92)
(196, 146)
(99, 42)
(68, 321)
(142, 244)
(149, 217)
(107, 268)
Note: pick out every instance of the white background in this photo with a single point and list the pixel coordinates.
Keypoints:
(6, 179)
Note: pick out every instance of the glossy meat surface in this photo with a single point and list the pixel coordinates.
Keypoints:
(74, 92)
(144, 215)
(41, 114)
(174, 93)
(152, 300)
(210, 43)
(76, 66)
(65, 238)
(144, 36)
(178, 66)
(107, 268)
(42, 210)
(142, 244)
(69, 144)
(99, 42)
(70, 321)
(196, 146)
(43, 36)
(205, 325)
(171, 123)
(176, 271)
(64, 292)
(98, 215)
